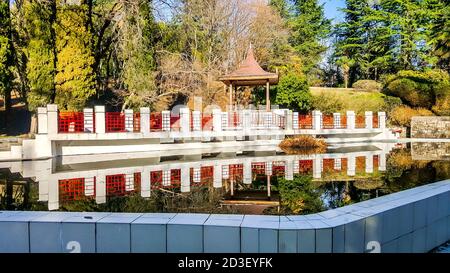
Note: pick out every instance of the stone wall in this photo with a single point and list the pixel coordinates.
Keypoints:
(430, 127)
(430, 150)
(414, 220)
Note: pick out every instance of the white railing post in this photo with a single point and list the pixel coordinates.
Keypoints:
(369, 163)
(382, 120)
(351, 165)
(382, 161)
(52, 119)
(350, 119)
(289, 170)
(100, 188)
(42, 120)
(288, 119)
(336, 120)
(217, 120)
(88, 115)
(129, 120)
(369, 119)
(165, 120)
(268, 170)
(316, 119)
(317, 167)
(100, 119)
(295, 121)
(196, 121)
(185, 179)
(217, 181)
(247, 171)
(185, 120)
(145, 120)
(145, 178)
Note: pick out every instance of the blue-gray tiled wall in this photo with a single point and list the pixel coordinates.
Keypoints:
(415, 220)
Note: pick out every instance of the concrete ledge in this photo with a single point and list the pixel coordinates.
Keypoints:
(414, 220)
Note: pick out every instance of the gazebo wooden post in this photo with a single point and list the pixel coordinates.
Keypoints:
(267, 96)
(235, 97)
(231, 96)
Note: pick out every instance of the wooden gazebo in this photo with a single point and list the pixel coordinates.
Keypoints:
(249, 73)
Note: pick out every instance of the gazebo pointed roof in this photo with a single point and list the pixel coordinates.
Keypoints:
(249, 73)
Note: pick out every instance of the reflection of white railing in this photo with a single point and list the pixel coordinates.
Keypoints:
(191, 174)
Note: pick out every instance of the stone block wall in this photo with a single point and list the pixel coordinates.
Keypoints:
(430, 127)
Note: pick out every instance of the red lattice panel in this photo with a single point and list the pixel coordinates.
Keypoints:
(115, 122)
(328, 165)
(175, 123)
(207, 122)
(70, 122)
(236, 171)
(376, 161)
(343, 124)
(344, 164)
(360, 163)
(305, 121)
(259, 168)
(116, 185)
(136, 122)
(278, 168)
(156, 179)
(74, 189)
(155, 122)
(360, 122)
(375, 123)
(206, 176)
(305, 166)
(327, 122)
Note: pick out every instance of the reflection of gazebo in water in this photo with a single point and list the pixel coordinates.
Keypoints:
(249, 73)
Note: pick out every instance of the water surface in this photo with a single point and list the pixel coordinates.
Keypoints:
(262, 182)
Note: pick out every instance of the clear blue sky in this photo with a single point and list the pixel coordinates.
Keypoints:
(332, 9)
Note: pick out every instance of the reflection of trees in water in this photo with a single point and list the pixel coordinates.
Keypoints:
(300, 195)
(403, 172)
(199, 199)
(20, 196)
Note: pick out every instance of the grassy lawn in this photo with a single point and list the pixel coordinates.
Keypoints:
(351, 99)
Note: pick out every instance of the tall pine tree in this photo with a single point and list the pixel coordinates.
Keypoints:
(75, 76)
(309, 28)
(39, 19)
(6, 55)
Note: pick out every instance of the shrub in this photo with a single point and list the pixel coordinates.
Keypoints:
(293, 93)
(390, 103)
(328, 102)
(402, 115)
(367, 85)
(303, 145)
(420, 89)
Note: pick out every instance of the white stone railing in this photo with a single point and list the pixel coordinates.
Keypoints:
(52, 122)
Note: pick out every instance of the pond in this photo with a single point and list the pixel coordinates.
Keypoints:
(247, 182)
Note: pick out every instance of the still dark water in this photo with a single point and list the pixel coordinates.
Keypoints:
(264, 182)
